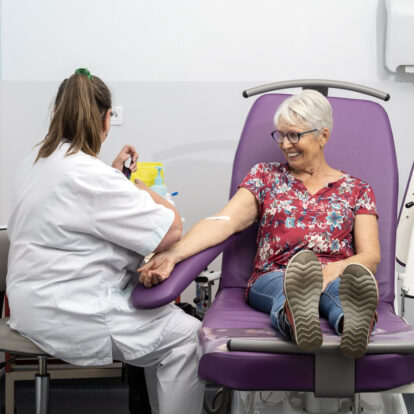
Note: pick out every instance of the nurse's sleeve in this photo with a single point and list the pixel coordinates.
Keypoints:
(128, 217)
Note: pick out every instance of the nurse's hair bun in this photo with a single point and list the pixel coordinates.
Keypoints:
(83, 71)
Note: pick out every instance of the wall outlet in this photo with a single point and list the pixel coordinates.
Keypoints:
(117, 115)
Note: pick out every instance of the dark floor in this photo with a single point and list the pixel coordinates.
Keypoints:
(409, 402)
(81, 396)
(89, 396)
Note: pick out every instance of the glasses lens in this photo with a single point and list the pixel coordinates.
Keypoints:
(293, 137)
(277, 136)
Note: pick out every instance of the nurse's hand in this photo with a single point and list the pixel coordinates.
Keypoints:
(157, 269)
(127, 152)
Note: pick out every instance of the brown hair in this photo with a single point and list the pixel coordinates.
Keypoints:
(80, 108)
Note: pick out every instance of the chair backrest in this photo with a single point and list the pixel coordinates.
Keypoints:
(4, 252)
(361, 144)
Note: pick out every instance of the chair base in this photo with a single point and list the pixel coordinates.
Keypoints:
(114, 370)
(278, 402)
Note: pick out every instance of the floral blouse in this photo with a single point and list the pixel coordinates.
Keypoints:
(291, 219)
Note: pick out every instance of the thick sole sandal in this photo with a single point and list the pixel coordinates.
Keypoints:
(303, 286)
(359, 296)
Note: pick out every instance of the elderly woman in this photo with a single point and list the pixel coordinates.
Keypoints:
(317, 242)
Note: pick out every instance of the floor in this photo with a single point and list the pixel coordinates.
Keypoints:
(89, 396)
(409, 402)
(83, 396)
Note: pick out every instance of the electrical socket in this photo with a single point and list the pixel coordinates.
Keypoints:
(117, 115)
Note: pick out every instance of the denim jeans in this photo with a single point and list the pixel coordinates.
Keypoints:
(266, 295)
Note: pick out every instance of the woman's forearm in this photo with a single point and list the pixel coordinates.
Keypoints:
(203, 235)
(334, 270)
(369, 260)
(238, 214)
(206, 233)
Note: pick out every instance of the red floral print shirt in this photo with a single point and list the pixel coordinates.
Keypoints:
(291, 219)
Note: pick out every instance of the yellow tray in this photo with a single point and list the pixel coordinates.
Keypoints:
(147, 173)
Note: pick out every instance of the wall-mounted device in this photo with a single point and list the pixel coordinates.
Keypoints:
(399, 43)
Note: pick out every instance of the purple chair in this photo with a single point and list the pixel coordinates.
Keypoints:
(362, 145)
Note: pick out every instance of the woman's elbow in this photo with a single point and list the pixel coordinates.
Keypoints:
(375, 259)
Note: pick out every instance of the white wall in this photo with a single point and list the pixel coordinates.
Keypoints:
(189, 40)
(179, 68)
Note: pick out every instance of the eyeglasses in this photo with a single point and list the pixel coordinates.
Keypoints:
(293, 137)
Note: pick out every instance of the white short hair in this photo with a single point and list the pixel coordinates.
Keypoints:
(310, 108)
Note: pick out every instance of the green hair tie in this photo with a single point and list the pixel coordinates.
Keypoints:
(83, 71)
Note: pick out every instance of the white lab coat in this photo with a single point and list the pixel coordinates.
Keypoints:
(79, 230)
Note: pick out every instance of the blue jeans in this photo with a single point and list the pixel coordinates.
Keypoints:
(266, 295)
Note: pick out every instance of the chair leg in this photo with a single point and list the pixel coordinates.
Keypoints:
(237, 404)
(9, 400)
(356, 406)
(42, 384)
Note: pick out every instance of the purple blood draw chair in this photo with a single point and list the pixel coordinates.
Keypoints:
(239, 349)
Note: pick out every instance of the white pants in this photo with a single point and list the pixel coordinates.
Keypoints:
(171, 370)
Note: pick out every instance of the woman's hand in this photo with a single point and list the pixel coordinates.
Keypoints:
(127, 152)
(157, 269)
(332, 271)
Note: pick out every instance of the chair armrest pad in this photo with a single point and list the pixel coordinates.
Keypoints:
(182, 275)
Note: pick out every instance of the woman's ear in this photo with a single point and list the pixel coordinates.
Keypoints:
(325, 134)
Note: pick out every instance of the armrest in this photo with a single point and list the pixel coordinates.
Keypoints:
(182, 275)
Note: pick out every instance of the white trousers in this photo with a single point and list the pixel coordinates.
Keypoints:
(171, 370)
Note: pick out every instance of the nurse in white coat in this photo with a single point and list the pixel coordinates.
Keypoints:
(78, 231)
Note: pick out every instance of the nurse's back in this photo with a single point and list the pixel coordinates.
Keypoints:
(78, 231)
(53, 231)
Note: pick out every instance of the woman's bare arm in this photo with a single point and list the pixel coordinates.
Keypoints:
(239, 213)
(367, 249)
